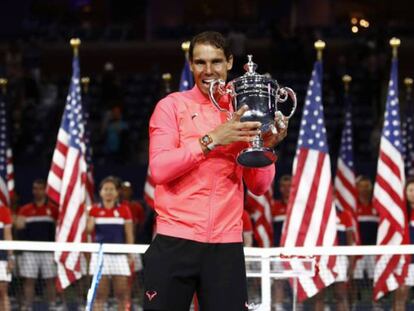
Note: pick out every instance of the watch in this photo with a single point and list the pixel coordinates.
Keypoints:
(207, 142)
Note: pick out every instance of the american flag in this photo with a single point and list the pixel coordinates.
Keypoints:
(408, 136)
(6, 157)
(149, 189)
(260, 210)
(345, 181)
(66, 183)
(388, 199)
(186, 81)
(311, 215)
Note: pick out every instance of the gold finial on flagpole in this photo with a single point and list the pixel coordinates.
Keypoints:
(166, 77)
(85, 84)
(408, 82)
(319, 46)
(75, 42)
(185, 46)
(3, 85)
(346, 79)
(395, 43)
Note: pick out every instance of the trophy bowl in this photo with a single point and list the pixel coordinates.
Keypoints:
(261, 94)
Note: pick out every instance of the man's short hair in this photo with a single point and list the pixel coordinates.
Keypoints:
(39, 181)
(111, 179)
(213, 38)
(286, 177)
(361, 178)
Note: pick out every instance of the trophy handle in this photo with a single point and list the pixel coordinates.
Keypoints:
(284, 93)
(221, 87)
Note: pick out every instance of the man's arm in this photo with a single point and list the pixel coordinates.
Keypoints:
(167, 159)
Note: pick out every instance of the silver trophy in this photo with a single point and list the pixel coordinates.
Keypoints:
(262, 95)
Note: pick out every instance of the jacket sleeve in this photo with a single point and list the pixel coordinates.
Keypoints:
(259, 180)
(167, 159)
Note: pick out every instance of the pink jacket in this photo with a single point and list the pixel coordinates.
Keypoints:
(198, 197)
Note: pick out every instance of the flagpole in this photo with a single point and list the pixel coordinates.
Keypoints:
(166, 78)
(85, 84)
(75, 43)
(3, 85)
(408, 82)
(395, 43)
(319, 46)
(346, 79)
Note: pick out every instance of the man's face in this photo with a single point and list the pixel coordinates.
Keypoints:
(284, 188)
(39, 191)
(126, 192)
(209, 63)
(364, 188)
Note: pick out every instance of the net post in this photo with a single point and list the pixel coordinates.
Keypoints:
(266, 283)
(295, 294)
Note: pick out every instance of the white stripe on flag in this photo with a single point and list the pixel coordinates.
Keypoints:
(317, 218)
(394, 155)
(394, 209)
(298, 208)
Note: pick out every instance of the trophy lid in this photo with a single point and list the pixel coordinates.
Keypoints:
(250, 67)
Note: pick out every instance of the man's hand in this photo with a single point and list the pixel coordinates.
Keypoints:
(234, 130)
(10, 263)
(279, 131)
(20, 222)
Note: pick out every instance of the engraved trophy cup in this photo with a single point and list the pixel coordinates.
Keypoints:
(262, 95)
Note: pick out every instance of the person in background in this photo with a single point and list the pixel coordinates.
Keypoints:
(401, 294)
(136, 208)
(345, 265)
(6, 257)
(138, 218)
(368, 226)
(38, 219)
(111, 222)
(279, 216)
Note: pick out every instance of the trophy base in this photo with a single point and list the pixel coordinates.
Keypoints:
(256, 157)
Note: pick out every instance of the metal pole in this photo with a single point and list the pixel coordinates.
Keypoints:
(266, 283)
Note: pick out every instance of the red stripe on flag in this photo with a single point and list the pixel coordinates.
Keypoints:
(69, 190)
(294, 190)
(310, 204)
(390, 164)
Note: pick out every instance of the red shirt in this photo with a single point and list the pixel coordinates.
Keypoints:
(344, 223)
(198, 197)
(110, 223)
(137, 211)
(40, 221)
(279, 211)
(5, 222)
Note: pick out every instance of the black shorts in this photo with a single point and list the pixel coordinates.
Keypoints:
(175, 269)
